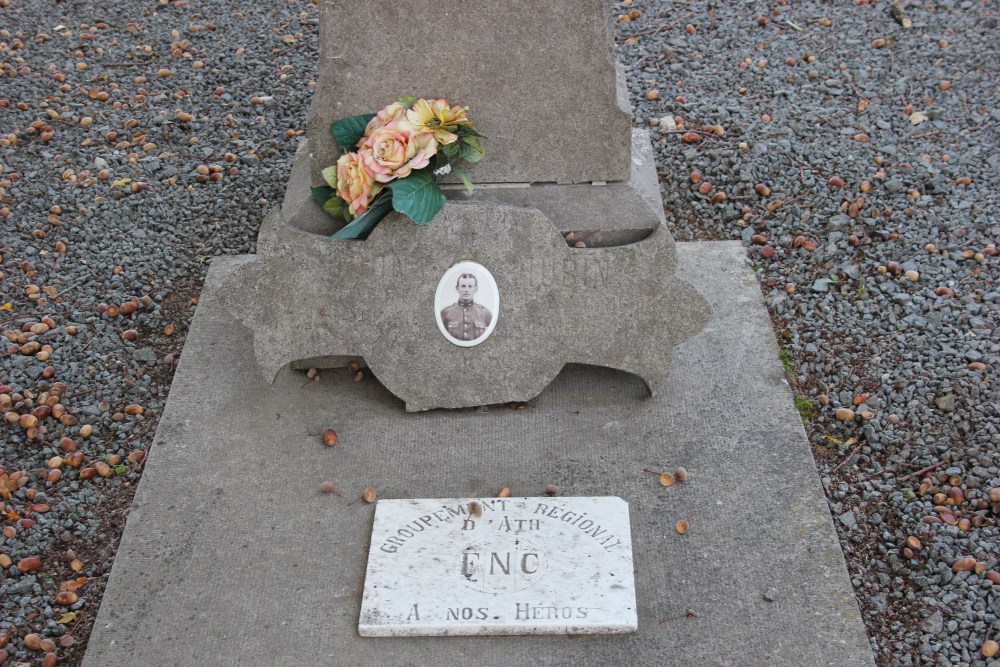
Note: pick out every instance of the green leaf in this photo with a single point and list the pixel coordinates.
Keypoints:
(321, 193)
(337, 207)
(367, 220)
(417, 196)
(330, 175)
(464, 177)
(471, 151)
(348, 131)
(407, 100)
(452, 149)
(469, 131)
(439, 160)
(120, 469)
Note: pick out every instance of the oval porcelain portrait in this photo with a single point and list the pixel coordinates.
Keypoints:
(467, 304)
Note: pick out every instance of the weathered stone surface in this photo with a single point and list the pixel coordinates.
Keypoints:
(508, 566)
(232, 556)
(623, 211)
(622, 307)
(540, 80)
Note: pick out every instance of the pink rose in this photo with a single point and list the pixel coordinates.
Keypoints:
(355, 184)
(393, 151)
(392, 112)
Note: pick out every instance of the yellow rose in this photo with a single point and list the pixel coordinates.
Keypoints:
(355, 184)
(438, 117)
(397, 149)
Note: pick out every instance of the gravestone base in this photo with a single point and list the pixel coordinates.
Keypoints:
(232, 555)
(622, 211)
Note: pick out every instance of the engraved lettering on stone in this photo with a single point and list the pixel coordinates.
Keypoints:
(508, 566)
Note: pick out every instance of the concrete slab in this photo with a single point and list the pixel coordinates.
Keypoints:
(231, 555)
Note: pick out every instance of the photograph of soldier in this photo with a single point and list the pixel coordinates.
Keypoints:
(466, 320)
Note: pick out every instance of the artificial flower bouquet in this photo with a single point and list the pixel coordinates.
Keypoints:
(401, 153)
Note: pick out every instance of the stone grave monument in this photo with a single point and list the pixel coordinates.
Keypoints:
(620, 307)
(541, 520)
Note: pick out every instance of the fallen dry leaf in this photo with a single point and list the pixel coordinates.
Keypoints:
(73, 584)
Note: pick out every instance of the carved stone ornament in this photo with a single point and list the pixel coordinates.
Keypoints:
(309, 298)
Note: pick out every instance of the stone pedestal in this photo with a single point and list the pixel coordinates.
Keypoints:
(232, 555)
(624, 211)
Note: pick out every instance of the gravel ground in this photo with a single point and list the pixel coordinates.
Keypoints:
(854, 156)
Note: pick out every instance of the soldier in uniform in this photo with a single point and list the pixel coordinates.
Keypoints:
(466, 319)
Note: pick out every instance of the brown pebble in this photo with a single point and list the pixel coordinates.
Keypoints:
(990, 648)
(964, 564)
(682, 526)
(327, 487)
(65, 598)
(29, 564)
(329, 437)
(844, 414)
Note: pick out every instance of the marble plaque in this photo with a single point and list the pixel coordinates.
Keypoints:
(499, 566)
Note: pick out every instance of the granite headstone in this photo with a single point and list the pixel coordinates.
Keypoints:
(539, 79)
